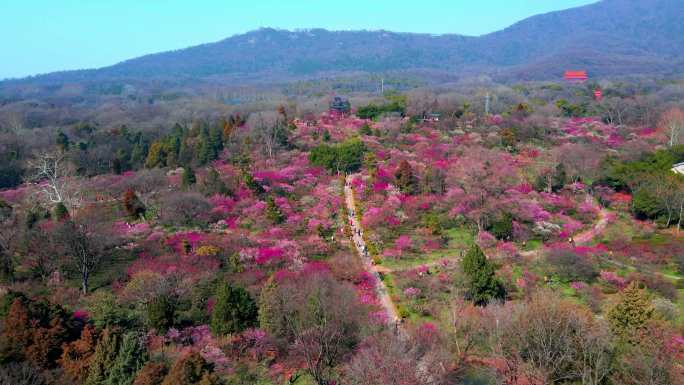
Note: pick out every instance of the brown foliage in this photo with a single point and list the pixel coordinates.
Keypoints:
(152, 373)
(77, 355)
(190, 370)
(34, 332)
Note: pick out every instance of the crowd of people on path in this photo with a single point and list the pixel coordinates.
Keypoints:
(358, 238)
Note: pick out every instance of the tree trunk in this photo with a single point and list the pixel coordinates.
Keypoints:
(84, 282)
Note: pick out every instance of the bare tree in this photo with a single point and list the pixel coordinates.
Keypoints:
(387, 359)
(85, 241)
(318, 315)
(673, 121)
(55, 178)
(551, 341)
(268, 128)
(615, 109)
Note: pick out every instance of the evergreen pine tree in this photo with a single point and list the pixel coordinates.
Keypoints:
(60, 212)
(139, 152)
(205, 150)
(483, 284)
(161, 312)
(234, 310)
(105, 353)
(188, 177)
(131, 358)
(62, 141)
(216, 141)
(631, 314)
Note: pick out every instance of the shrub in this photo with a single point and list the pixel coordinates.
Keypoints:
(569, 266)
(185, 209)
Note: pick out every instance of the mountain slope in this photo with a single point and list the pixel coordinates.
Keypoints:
(608, 38)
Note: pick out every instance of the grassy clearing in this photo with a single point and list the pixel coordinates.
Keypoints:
(459, 239)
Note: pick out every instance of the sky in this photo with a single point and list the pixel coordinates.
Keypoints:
(41, 36)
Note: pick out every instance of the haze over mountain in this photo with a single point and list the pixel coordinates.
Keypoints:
(609, 38)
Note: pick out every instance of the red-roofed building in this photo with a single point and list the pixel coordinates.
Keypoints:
(576, 76)
(598, 95)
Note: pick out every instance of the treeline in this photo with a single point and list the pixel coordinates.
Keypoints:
(396, 104)
(657, 191)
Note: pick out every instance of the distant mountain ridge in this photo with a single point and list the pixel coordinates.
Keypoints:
(608, 38)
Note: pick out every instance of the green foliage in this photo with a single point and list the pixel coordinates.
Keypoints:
(234, 310)
(571, 110)
(156, 156)
(188, 177)
(161, 312)
(343, 157)
(7, 300)
(621, 175)
(271, 318)
(273, 212)
(131, 358)
(212, 184)
(105, 312)
(372, 111)
(105, 353)
(629, 317)
(60, 212)
(645, 205)
(251, 183)
(483, 284)
(62, 141)
(366, 130)
(502, 227)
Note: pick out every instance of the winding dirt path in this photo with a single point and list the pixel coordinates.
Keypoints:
(360, 245)
(600, 225)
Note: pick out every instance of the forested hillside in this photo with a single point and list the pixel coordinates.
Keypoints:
(609, 38)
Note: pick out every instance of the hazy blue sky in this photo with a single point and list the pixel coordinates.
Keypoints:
(40, 36)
